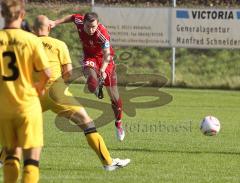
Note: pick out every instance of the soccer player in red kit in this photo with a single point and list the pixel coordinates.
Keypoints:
(98, 65)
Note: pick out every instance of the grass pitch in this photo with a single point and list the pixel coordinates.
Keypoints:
(164, 143)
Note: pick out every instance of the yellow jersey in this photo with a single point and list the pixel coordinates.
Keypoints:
(21, 53)
(57, 98)
(58, 55)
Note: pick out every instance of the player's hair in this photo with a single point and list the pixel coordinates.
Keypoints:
(38, 22)
(90, 17)
(11, 9)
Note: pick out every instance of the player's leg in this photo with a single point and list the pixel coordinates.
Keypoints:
(30, 138)
(90, 70)
(11, 166)
(8, 141)
(76, 113)
(96, 142)
(80, 117)
(31, 165)
(116, 101)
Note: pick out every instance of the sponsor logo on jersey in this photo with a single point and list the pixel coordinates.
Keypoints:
(78, 21)
(91, 42)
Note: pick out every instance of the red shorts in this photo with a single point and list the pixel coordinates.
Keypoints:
(96, 63)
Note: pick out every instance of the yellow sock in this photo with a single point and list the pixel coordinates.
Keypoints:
(96, 142)
(30, 174)
(11, 170)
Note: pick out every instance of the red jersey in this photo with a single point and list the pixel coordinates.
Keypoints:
(92, 44)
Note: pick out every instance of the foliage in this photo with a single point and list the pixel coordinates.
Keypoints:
(148, 2)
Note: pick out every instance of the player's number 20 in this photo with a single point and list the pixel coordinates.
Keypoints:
(90, 64)
(11, 65)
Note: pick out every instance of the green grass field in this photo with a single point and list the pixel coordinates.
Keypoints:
(164, 143)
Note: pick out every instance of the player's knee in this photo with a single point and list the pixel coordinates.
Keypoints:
(32, 162)
(89, 128)
(80, 117)
(92, 84)
(11, 159)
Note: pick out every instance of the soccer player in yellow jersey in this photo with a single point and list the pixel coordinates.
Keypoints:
(20, 112)
(61, 67)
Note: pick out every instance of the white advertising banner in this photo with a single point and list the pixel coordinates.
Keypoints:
(137, 26)
(167, 27)
(206, 28)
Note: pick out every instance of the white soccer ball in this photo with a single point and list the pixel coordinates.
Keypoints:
(210, 126)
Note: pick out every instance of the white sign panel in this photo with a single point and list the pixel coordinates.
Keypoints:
(206, 28)
(136, 26)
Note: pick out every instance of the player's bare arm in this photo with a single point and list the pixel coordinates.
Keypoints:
(44, 76)
(106, 60)
(66, 71)
(66, 19)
